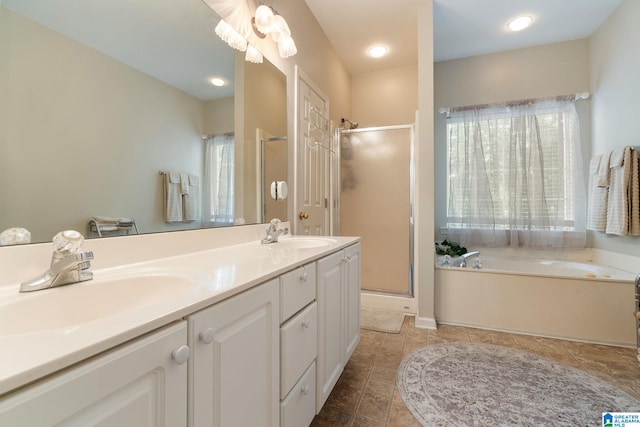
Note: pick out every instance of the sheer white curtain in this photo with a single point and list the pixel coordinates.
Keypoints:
(218, 180)
(515, 176)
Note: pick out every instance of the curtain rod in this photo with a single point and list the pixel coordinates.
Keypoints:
(211, 135)
(572, 97)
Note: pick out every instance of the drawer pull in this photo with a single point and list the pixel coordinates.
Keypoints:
(305, 389)
(306, 323)
(206, 336)
(181, 354)
(347, 258)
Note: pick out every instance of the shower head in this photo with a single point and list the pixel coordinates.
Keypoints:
(351, 125)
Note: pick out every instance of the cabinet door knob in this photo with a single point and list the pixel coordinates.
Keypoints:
(306, 323)
(206, 336)
(347, 258)
(304, 276)
(305, 389)
(181, 354)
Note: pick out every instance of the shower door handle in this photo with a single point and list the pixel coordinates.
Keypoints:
(303, 215)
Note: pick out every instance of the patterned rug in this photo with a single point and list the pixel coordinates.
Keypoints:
(462, 384)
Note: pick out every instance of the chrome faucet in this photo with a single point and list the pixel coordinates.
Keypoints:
(461, 261)
(273, 232)
(68, 264)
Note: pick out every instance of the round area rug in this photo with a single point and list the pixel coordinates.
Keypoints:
(460, 384)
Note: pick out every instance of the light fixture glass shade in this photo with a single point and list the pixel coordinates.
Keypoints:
(287, 47)
(230, 36)
(253, 55)
(280, 29)
(264, 19)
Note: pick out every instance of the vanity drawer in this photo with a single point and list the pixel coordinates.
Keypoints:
(299, 408)
(297, 289)
(298, 346)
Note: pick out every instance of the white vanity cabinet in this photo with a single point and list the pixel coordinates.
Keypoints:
(234, 367)
(338, 285)
(298, 346)
(141, 383)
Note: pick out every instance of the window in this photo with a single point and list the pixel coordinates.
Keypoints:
(515, 176)
(219, 171)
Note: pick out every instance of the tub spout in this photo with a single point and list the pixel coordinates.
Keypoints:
(461, 261)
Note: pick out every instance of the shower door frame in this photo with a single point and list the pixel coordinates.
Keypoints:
(338, 188)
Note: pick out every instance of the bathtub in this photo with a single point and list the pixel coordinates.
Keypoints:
(531, 292)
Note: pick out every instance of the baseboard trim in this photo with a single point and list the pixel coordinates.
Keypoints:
(426, 323)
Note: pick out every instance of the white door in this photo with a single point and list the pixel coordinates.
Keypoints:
(234, 371)
(313, 158)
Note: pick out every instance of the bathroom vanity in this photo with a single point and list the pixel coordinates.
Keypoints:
(231, 333)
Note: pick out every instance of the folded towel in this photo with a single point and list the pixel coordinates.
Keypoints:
(172, 197)
(634, 195)
(618, 199)
(604, 172)
(184, 183)
(594, 164)
(192, 199)
(597, 205)
(617, 157)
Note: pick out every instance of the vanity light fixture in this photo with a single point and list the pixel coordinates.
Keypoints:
(377, 51)
(231, 36)
(253, 55)
(268, 22)
(217, 81)
(519, 23)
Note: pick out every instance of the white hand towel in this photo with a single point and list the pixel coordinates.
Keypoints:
(192, 199)
(618, 200)
(604, 171)
(634, 195)
(184, 183)
(172, 197)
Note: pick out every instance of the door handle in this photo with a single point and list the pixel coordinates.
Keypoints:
(303, 215)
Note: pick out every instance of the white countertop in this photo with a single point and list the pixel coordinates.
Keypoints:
(30, 352)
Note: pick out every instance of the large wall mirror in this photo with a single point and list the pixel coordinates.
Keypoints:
(98, 99)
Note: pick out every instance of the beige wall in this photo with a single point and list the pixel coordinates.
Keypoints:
(114, 127)
(424, 251)
(219, 116)
(549, 70)
(385, 98)
(615, 85)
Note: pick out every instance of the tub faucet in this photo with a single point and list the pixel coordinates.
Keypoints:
(68, 264)
(461, 261)
(273, 232)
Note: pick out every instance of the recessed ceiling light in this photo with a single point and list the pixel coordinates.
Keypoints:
(217, 81)
(377, 51)
(520, 23)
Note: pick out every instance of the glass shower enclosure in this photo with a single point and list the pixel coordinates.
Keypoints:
(376, 202)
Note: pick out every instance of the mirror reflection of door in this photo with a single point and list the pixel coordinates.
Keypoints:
(273, 167)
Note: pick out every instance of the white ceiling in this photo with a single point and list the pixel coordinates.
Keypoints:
(461, 27)
(173, 41)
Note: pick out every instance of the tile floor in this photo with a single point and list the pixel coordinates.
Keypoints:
(366, 395)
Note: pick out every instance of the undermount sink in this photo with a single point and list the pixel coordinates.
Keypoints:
(303, 242)
(68, 306)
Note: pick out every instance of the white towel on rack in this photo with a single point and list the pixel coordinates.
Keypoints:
(618, 200)
(604, 171)
(634, 195)
(597, 203)
(172, 197)
(192, 199)
(184, 183)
